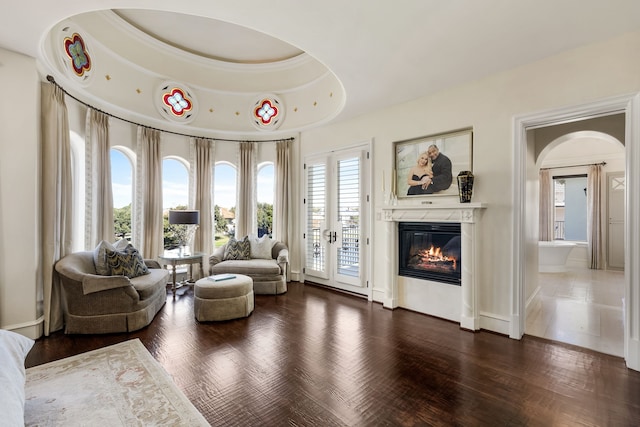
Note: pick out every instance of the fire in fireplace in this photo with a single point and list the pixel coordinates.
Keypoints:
(430, 251)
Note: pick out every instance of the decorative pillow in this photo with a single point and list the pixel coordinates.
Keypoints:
(100, 255)
(13, 351)
(261, 247)
(237, 249)
(128, 262)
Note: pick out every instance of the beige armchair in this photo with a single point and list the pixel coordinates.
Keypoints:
(269, 275)
(97, 304)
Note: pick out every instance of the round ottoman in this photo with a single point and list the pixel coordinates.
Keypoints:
(226, 299)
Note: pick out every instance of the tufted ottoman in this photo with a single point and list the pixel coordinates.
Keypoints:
(223, 299)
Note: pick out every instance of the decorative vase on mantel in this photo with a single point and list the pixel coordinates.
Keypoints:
(465, 186)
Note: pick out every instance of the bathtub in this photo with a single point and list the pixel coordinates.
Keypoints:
(552, 256)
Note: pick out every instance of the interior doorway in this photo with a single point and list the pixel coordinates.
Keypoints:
(574, 303)
(525, 245)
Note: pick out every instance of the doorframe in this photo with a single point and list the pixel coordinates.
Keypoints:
(523, 242)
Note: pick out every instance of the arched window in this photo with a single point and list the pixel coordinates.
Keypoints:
(175, 195)
(122, 188)
(224, 199)
(264, 198)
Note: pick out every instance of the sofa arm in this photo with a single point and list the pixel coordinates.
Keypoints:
(92, 283)
(152, 263)
(283, 262)
(216, 256)
(283, 256)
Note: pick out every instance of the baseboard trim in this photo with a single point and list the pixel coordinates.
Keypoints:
(32, 329)
(494, 323)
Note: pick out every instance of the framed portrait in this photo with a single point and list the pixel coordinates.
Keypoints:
(428, 166)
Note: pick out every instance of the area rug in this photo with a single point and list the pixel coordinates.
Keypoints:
(117, 385)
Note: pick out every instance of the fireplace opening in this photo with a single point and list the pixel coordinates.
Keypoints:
(430, 251)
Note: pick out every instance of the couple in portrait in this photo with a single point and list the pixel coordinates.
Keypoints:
(431, 174)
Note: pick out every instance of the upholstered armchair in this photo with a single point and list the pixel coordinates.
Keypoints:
(96, 303)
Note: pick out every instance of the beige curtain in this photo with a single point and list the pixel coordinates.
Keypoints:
(594, 217)
(282, 212)
(246, 222)
(148, 226)
(56, 200)
(546, 226)
(99, 195)
(202, 151)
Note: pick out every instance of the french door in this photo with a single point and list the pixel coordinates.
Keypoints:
(337, 212)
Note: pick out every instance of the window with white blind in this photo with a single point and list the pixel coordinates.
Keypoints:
(348, 216)
(316, 218)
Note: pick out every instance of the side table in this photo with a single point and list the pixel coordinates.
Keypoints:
(174, 260)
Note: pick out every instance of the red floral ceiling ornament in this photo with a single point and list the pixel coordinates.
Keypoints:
(177, 101)
(76, 50)
(266, 111)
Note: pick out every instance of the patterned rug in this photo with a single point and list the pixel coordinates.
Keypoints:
(117, 385)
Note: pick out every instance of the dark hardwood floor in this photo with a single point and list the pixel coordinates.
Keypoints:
(314, 357)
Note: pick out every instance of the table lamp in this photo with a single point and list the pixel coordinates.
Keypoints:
(189, 221)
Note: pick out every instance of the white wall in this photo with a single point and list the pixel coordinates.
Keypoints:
(488, 105)
(20, 309)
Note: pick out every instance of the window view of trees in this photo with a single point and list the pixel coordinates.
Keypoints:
(264, 195)
(175, 190)
(122, 222)
(265, 219)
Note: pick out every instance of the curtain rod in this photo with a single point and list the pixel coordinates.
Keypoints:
(574, 166)
(52, 80)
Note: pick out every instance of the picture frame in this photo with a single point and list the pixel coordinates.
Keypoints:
(456, 147)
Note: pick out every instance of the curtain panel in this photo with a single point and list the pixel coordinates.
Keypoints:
(56, 199)
(201, 177)
(282, 211)
(246, 222)
(148, 224)
(594, 217)
(546, 226)
(99, 194)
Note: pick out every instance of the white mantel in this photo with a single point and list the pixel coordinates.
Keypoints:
(466, 214)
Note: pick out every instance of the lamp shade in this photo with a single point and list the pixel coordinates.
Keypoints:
(184, 217)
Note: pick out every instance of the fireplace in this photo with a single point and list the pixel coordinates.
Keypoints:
(456, 303)
(430, 251)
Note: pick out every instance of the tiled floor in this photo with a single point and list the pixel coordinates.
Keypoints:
(581, 307)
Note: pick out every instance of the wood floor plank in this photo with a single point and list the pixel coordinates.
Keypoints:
(315, 357)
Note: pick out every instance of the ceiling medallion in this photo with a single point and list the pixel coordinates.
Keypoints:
(176, 102)
(75, 49)
(74, 56)
(267, 112)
